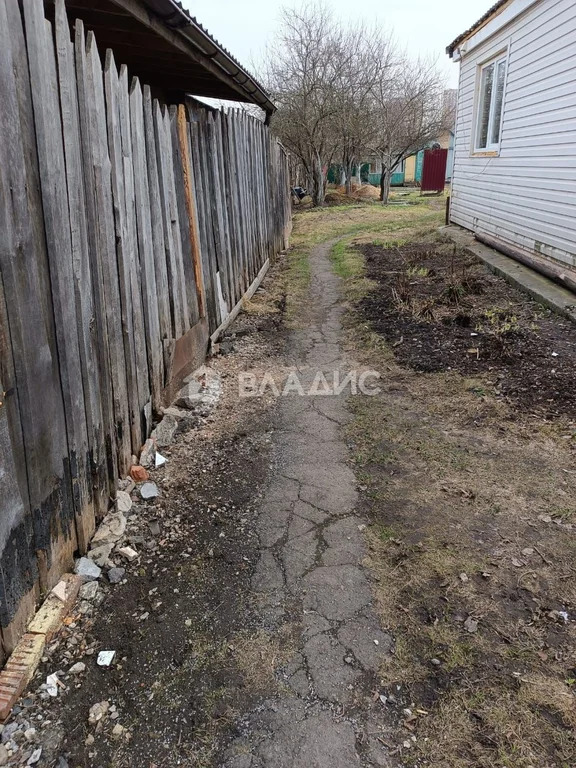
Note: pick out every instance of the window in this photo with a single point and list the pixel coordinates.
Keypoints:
(490, 102)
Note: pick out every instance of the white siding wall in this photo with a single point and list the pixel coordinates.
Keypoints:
(527, 195)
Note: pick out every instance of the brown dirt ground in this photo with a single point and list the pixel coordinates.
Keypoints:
(468, 467)
(191, 652)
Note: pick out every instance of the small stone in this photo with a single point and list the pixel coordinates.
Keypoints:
(89, 591)
(165, 431)
(8, 731)
(129, 553)
(527, 551)
(154, 527)
(464, 578)
(4, 756)
(123, 502)
(87, 569)
(78, 668)
(35, 756)
(127, 485)
(89, 740)
(115, 575)
(117, 731)
(149, 491)
(148, 453)
(138, 474)
(30, 734)
(471, 625)
(435, 662)
(98, 711)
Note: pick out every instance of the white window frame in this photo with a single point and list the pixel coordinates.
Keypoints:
(491, 147)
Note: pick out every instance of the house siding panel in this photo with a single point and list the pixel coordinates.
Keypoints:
(526, 196)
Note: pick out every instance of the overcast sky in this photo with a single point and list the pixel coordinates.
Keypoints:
(423, 26)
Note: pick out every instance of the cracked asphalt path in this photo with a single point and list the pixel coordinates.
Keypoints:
(310, 574)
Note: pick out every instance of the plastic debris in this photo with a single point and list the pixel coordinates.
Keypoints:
(52, 685)
(160, 460)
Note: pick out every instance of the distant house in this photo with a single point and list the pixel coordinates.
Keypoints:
(515, 154)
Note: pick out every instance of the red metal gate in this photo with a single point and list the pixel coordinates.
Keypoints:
(434, 170)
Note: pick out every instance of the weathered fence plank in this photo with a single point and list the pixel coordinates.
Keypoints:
(156, 220)
(144, 215)
(96, 503)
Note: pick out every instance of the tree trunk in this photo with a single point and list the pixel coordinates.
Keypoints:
(348, 171)
(384, 185)
(318, 185)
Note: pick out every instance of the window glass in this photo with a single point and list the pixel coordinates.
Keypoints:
(485, 103)
(498, 101)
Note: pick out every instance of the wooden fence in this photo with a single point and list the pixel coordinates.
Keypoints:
(128, 231)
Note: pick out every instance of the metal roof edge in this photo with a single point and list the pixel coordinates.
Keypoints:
(175, 16)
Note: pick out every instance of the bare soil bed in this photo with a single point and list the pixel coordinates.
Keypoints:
(443, 310)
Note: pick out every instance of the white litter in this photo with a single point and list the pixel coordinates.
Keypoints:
(52, 685)
(105, 658)
(160, 460)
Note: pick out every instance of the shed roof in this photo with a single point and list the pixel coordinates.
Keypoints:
(480, 23)
(168, 48)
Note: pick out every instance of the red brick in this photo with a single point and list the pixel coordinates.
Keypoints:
(19, 670)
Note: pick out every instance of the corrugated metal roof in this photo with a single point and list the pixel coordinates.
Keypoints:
(455, 43)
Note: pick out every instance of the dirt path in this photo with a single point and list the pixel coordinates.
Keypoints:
(310, 576)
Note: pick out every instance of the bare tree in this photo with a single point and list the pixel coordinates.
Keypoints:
(302, 75)
(366, 64)
(408, 113)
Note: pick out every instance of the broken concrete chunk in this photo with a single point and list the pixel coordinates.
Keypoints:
(78, 668)
(110, 529)
(89, 591)
(201, 393)
(101, 555)
(138, 473)
(164, 433)
(148, 453)
(60, 590)
(123, 502)
(149, 491)
(87, 569)
(129, 553)
(115, 575)
(471, 625)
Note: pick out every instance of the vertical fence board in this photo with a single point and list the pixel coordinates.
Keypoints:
(143, 218)
(165, 171)
(156, 219)
(97, 504)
